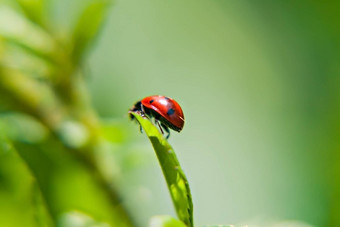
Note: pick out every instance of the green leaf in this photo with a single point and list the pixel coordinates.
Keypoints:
(87, 28)
(224, 225)
(67, 184)
(34, 10)
(176, 180)
(18, 30)
(19, 193)
(79, 219)
(165, 221)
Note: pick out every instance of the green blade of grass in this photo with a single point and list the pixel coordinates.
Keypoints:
(176, 180)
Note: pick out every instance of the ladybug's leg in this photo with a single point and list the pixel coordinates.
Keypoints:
(134, 119)
(159, 125)
(167, 130)
(142, 113)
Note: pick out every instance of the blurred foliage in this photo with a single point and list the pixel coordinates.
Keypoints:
(165, 221)
(50, 136)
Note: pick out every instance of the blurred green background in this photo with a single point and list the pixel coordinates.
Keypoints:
(259, 84)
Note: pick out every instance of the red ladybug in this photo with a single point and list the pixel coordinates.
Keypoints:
(166, 112)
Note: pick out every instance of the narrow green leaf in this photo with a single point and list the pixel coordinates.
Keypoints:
(176, 180)
(35, 10)
(165, 221)
(20, 196)
(18, 30)
(68, 185)
(224, 226)
(87, 28)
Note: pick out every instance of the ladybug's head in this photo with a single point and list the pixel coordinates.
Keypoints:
(135, 108)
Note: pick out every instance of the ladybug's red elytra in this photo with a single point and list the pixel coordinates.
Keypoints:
(166, 112)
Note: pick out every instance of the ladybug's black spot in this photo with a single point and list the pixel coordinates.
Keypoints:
(167, 98)
(151, 101)
(170, 112)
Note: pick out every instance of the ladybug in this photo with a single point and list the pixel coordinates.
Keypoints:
(165, 111)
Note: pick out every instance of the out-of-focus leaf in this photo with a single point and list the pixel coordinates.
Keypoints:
(228, 226)
(289, 223)
(15, 57)
(78, 219)
(87, 28)
(16, 126)
(35, 10)
(173, 173)
(17, 29)
(165, 221)
(19, 194)
(67, 184)
(43, 218)
(30, 96)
